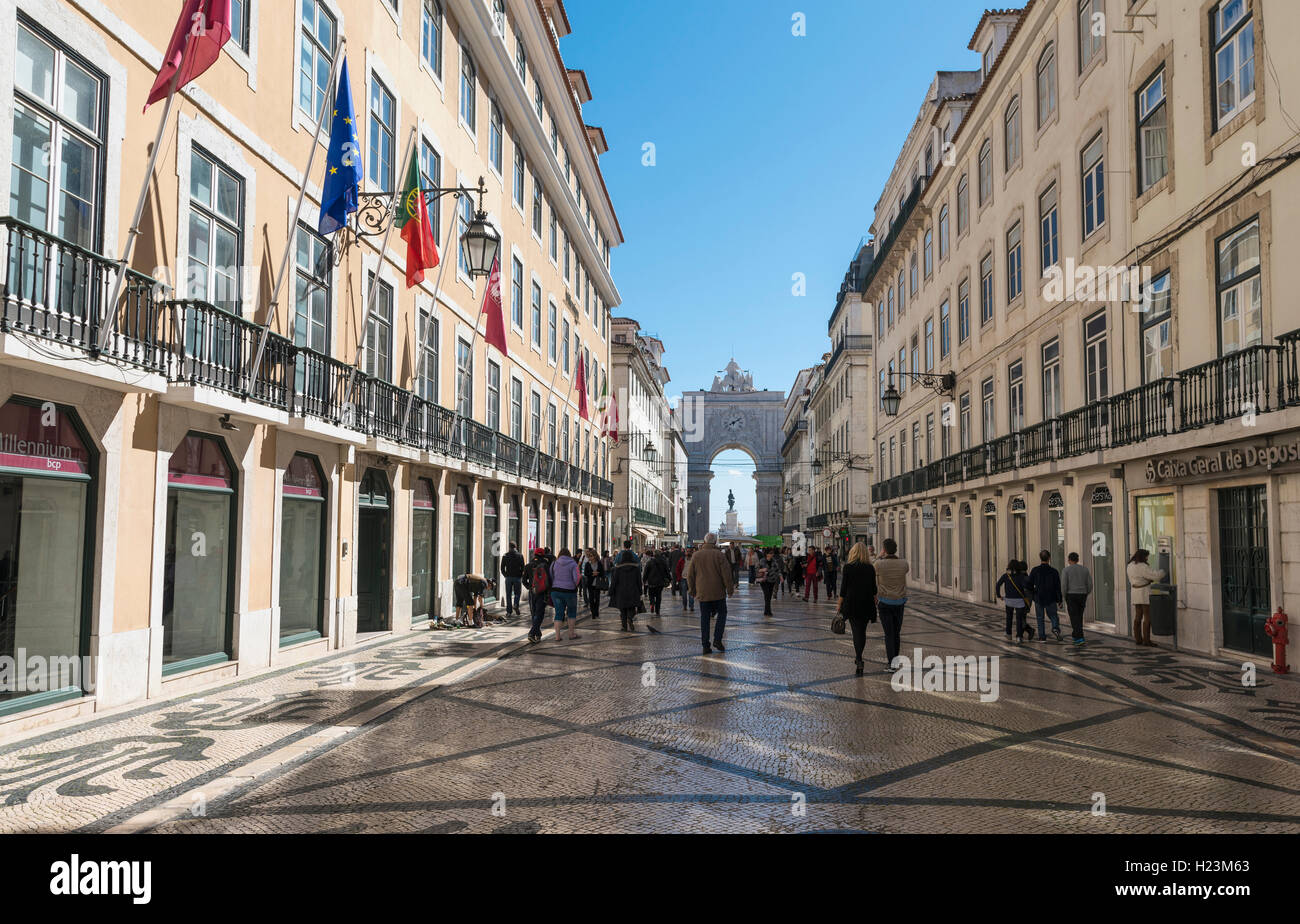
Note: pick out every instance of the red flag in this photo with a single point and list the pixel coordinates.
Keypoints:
(580, 383)
(196, 43)
(496, 325)
(413, 218)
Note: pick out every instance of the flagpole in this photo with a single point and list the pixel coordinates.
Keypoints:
(134, 230)
(437, 285)
(374, 288)
(293, 226)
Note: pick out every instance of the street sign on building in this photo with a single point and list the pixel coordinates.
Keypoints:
(827, 533)
(873, 524)
(927, 516)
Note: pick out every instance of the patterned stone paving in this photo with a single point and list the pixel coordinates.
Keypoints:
(776, 734)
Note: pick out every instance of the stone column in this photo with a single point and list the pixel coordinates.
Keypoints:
(698, 492)
(768, 492)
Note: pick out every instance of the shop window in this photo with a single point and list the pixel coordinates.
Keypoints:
(302, 551)
(424, 545)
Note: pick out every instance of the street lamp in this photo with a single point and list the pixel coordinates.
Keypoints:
(649, 452)
(940, 383)
(481, 242)
(891, 400)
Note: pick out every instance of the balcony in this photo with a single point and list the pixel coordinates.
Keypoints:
(646, 518)
(55, 291)
(1259, 379)
(848, 342)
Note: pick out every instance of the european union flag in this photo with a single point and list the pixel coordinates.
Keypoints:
(343, 164)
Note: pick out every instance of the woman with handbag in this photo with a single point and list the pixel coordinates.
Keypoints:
(594, 581)
(857, 600)
(1140, 577)
(625, 589)
(1015, 590)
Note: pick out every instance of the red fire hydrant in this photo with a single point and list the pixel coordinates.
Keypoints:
(1275, 628)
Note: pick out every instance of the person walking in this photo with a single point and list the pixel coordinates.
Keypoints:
(656, 577)
(679, 579)
(811, 575)
(674, 559)
(832, 560)
(752, 561)
(857, 602)
(538, 576)
(769, 578)
(565, 579)
(1015, 592)
(711, 580)
(1047, 595)
(593, 582)
(512, 573)
(607, 561)
(891, 596)
(1140, 578)
(625, 588)
(1076, 584)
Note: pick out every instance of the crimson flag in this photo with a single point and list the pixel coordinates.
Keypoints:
(204, 27)
(496, 325)
(580, 383)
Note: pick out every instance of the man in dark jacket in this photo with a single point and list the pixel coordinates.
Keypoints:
(512, 571)
(674, 556)
(625, 588)
(656, 577)
(537, 574)
(1047, 595)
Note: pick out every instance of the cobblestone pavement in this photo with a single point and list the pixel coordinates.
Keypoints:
(622, 732)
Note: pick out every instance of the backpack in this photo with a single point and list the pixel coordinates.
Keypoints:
(541, 581)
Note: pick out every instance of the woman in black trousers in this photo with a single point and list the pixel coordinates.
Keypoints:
(625, 589)
(857, 602)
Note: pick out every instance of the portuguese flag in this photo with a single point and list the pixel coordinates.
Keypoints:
(413, 218)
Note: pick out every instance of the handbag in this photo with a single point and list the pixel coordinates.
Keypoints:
(837, 624)
(601, 582)
(640, 606)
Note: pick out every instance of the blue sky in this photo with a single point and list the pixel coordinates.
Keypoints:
(770, 152)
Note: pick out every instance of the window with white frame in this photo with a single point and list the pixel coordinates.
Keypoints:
(537, 315)
(468, 90)
(516, 410)
(990, 410)
(377, 358)
(430, 338)
(464, 215)
(1016, 396)
(986, 289)
(945, 330)
(318, 40)
(431, 35)
(1096, 359)
(1011, 133)
(216, 236)
(1015, 263)
(1093, 162)
(552, 332)
(963, 204)
(1051, 353)
(464, 378)
(1240, 289)
(1048, 230)
(496, 138)
(1157, 333)
(1233, 59)
(1046, 83)
(1092, 31)
(493, 395)
(431, 172)
(381, 134)
(963, 311)
(986, 172)
(943, 232)
(519, 174)
(516, 292)
(1152, 117)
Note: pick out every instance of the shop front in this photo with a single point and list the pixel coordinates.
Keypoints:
(303, 532)
(47, 481)
(374, 551)
(424, 547)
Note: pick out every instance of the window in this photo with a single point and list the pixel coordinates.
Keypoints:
(986, 172)
(311, 301)
(383, 126)
(890, 299)
(499, 17)
(377, 360)
(963, 311)
(1153, 159)
(945, 341)
(216, 231)
(1016, 396)
(986, 289)
(1011, 133)
(431, 169)
(496, 138)
(963, 204)
(928, 253)
(1094, 186)
(564, 439)
(516, 292)
(902, 296)
(1092, 21)
(902, 368)
(537, 315)
(1052, 379)
(302, 550)
(1049, 242)
(552, 332)
(535, 418)
(1157, 344)
(516, 410)
(1015, 264)
(943, 232)
(316, 57)
(521, 59)
(493, 396)
(917, 461)
(463, 218)
(537, 205)
(430, 338)
(239, 24)
(1096, 363)
(990, 412)
(555, 236)
(880, 319)
(929, 436)
(468, 90)
(1046, 84)
(464, 379)
(1240, 315)
(1233, 78)
(550, 429)
(519, 174)
(568, 275)
(431, 35)
(57, 141)
(929, 344)
(564, 344)
(916, 354)
(964, 419)
(537, 100)
(912, 279)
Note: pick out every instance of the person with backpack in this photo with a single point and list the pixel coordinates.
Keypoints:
(538, 577)
(1047, 595)
(594, 581)
(625, 588)
(1015, 592)
(656, 578)
(512, 572)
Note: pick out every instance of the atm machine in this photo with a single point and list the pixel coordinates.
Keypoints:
(1164, 594)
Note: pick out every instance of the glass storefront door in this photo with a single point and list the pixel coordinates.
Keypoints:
(992, 569)
(1101, 551)
(197, 576)
(424, 543)
(967, 549)
(461, 527)
(491, 540)
(374, 552)
(1243, 561)
(302, 552)
(1055, 527)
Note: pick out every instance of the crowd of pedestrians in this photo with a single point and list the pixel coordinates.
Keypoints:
(867, 588)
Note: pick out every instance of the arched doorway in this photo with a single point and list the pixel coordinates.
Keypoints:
(374, 551)
(733, 480)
